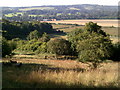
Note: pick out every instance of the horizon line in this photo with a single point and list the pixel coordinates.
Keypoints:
(58, 5)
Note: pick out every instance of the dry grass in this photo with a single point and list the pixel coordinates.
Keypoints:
(93, 78)
(59, 73)
(102, 22)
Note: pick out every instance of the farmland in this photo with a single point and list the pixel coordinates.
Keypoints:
(37, 8)
(109, 26)
(101, 22)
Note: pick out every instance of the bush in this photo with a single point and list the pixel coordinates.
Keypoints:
(116, 52)
(59, 47)
(13, 44)
(6, 47)
(45, 38)
(34, 35)
(33, 45)
(42, 48)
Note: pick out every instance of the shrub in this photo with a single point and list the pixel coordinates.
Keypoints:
(116, 52)
(59, 47)
(33, 45)
(6, 47)
(45, 38)
(13, 44)
(42, 48)
(34, 35)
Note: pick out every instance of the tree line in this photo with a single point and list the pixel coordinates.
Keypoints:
(12, 29)
(63, 12)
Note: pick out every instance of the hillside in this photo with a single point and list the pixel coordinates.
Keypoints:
(59, 12)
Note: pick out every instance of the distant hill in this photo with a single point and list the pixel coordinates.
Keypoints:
(59, 12)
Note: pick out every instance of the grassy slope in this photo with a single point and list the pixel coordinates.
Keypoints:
(39, 73)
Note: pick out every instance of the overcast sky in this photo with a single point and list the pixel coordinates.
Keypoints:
(17, 3)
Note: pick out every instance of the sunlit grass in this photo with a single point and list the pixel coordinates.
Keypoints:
(59, 73)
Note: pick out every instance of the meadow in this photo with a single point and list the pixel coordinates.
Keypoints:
(41, 73)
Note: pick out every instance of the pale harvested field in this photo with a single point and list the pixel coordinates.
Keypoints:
(83, 21)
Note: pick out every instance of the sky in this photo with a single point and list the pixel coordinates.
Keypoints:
(21, 3)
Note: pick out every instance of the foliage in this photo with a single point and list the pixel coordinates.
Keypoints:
(93, 27)
(20, 44)
(6, 47)
(12, 29)
(42, 48)
(13, 43)
(33, 35)
(95, 48)
(73, 37)
(59, 47)
(116, 52)
(33, 45)
(90, 44)
(45, 38)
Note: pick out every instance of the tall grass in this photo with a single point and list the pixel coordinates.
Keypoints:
(48, 76)
(89, 79)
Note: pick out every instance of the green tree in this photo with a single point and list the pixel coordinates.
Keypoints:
(33, 35)
(90, 44)
(96, 48)
(73, 38)
(93, 27)
(59, 47)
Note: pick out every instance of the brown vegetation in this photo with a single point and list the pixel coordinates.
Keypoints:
(69, 73)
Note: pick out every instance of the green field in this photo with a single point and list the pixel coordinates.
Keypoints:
(13, 14)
